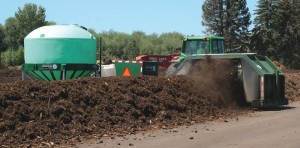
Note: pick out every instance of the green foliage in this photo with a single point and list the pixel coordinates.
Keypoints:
(12, 34)
(276, 32)
(26, 20)
(170, 41)
(213, 17)
(114, 43)
(117, 45)
(50, 23)
(150, 45)
(2, 43)
(229, 19)
(287, 26)
(2, 36)
(13, 57)
(264, 36)
(29, 18)
(237, 23)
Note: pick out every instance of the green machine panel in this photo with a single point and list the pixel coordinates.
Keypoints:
(128, 68)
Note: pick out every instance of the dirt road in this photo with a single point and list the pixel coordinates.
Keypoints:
(271, 128)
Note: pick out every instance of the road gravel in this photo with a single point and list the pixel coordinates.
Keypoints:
(261, 129)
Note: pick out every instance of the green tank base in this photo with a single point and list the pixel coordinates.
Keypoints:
(50, 72)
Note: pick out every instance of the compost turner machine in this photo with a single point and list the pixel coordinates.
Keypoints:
(263, 82)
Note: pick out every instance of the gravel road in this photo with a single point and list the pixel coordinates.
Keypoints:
(268, 128)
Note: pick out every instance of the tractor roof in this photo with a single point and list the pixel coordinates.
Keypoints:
(203, 37)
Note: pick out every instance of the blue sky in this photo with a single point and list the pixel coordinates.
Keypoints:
(149, 16)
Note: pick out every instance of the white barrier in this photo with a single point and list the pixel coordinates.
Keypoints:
(108, 70)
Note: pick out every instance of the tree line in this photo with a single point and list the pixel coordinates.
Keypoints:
(276, 32)
(115, 45)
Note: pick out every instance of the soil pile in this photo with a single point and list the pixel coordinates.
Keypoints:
(10, 75)
(33, 112)
(39, 113)
(292, 85)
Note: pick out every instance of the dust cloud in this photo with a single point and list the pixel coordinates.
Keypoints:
(218, 79)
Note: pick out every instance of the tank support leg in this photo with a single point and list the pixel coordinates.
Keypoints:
(64, 75)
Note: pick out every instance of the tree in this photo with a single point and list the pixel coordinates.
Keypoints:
(154, 44)
(16, 29)
(29, 18)
(170, 41)
(264, 35)
(2, 37)
(127, 47)
(287, 25)
(295, 30)
(131, 50)
(134, 46)
(2, 44)
(237, 23)
(276, 32)
(12, 33)
(229, 19)
(114, 43)
(213, 17)
(264, 12)
(50, 23)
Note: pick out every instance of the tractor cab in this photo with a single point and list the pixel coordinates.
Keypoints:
(193, 45)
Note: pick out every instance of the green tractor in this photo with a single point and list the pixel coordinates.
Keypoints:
(263, 82)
